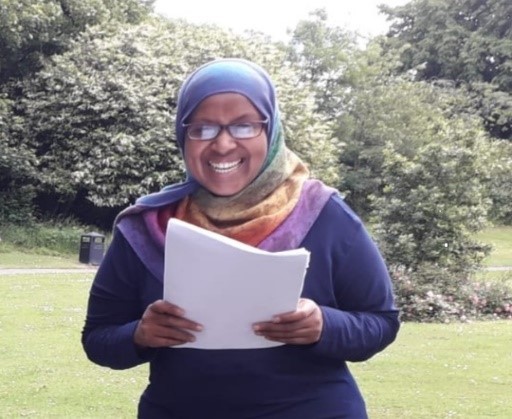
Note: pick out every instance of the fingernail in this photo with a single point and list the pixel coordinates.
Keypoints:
(276, 319)
(199, 327)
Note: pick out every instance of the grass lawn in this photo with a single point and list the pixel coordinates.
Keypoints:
(12, 258)
(431, 371)
(441, 371)
(500, 237)
(44, 370)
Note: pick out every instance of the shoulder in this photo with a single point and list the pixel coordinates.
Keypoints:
(337, 215)
(337, 229)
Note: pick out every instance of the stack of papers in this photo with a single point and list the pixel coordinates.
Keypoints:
(227, 286)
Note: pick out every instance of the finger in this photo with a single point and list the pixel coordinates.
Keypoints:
(173, 334)
(163, 342)
(287, 334)
(167, 314)
(268, 328)
(302, 336)
(165, 307)
(305, 308)
(181, 323)
(154, 335)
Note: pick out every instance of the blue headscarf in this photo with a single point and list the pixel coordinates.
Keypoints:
(230, 75)
(226, 76)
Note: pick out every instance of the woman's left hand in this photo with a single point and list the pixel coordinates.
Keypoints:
(300, 327)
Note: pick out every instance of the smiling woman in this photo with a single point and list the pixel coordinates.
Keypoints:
(244, 183)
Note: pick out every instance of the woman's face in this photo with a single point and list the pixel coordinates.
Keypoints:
(225, 165)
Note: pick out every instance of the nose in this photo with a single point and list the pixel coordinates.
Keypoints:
(224, 142)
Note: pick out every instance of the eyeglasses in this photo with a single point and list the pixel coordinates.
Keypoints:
(238, 130)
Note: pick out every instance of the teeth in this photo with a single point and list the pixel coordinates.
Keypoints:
(226, 166)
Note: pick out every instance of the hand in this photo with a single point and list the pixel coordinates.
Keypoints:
(163, 324)
(300, 327)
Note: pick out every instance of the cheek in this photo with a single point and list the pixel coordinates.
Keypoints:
(191, 158)
(260, 153)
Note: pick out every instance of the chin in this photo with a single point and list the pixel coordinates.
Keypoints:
(224, 191)
(224, 194)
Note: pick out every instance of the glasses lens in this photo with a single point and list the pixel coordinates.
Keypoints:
(245, 130)
(202, 131)
(240, 131)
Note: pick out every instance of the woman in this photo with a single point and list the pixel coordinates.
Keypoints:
(244, 183)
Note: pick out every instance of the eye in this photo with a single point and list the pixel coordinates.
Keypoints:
(243, 130)
(202, 131)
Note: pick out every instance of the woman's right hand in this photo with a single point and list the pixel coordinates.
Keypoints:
(163, 324)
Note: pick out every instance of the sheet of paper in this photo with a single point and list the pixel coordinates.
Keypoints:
(227, 286)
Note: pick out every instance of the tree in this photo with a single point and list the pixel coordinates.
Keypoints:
(100, 117)
(435, 200)
(500, 182)
(466, 41)
(33, 30)
(325, 55)
(17, 169)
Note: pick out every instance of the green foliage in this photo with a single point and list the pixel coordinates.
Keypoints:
(16, 169)
(431, 207)
(33, 30)
(435, 200)
(398, 112)
(435, 294)
(500, 183)
(457, 40)
(50, 238)
(468, 42)
(325, 57)
(101, 117)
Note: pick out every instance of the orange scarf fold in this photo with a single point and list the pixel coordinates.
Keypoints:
(255, 212)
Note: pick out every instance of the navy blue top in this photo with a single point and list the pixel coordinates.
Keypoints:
(346, 277)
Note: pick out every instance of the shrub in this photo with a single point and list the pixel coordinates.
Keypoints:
(61, 237)
(433, 294)
(17, 205)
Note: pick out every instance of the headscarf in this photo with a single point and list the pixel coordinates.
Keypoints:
(253, 213)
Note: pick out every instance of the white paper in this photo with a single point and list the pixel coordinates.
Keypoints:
(227, 286)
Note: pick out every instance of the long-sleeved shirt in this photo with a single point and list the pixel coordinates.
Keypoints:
(347, 278)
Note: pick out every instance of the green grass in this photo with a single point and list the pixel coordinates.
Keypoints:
(441, 371)
(13, 258)
(431, 371)
(500, 237)
(504, 277)
(44, 370)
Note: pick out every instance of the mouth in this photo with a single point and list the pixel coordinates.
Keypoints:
(225, 167)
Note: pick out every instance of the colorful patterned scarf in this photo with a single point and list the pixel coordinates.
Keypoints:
(252, 214)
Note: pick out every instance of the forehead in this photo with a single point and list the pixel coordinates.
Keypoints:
(225, 104)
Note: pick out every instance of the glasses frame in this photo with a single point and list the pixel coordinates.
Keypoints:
(224, 127)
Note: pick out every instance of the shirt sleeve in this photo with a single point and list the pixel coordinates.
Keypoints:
(365, 320)
(115, 308)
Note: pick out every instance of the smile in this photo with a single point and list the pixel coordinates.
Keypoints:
(225, 167)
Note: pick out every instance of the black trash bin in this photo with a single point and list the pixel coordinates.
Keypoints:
(92, 248)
